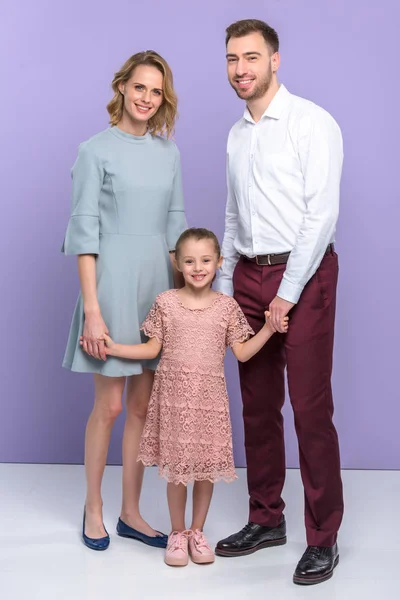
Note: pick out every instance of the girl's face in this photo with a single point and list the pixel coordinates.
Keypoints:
(143, 94)
(198, 261)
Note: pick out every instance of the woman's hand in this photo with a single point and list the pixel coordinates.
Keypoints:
(109, 343)
(93, 330)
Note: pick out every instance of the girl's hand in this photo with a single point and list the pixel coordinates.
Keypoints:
(92, 342)
(285, 322)
(109, 343)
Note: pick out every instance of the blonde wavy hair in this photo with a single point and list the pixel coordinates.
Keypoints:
(163, 122)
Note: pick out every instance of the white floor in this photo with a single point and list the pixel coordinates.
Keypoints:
(42, 557)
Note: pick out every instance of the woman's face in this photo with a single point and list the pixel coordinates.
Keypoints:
(143, 93)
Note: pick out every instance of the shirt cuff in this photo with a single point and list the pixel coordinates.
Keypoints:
(289, 291)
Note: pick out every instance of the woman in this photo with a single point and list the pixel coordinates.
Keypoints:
(126, 216)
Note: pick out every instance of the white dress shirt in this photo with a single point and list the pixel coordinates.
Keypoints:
(283, 178)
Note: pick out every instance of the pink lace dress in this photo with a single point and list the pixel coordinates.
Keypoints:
(188, 430)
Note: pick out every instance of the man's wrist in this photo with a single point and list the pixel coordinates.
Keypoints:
(289, 291)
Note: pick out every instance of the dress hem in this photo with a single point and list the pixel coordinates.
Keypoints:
(229, 477)
(129, 373)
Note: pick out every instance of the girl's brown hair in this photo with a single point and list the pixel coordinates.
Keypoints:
(197, 233)
(163, 122)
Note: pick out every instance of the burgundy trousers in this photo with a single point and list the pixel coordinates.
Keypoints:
(306, 352)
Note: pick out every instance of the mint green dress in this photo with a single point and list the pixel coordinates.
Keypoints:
(127, 209)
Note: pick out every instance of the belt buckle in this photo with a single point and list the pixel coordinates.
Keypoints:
(263, 264)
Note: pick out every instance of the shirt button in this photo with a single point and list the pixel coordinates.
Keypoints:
(249, 183)
(253, 212)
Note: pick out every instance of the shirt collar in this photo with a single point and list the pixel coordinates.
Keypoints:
(276, 106)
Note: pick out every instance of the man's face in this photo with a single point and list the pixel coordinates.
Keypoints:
(249, 62)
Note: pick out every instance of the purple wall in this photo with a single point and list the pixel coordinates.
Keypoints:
(57, 62)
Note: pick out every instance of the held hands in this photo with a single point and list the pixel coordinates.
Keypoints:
(284, 323)
(91, 341)
(279, 309)
(106, 341)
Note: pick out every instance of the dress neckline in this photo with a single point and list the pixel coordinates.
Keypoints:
(217, 297)
(129, 137)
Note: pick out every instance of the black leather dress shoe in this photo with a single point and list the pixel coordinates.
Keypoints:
(316, 565)
(251, 538)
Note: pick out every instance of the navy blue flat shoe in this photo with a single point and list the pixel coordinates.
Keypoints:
(94, 543)
(158, 541)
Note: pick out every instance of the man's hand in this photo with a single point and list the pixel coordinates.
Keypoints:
(285, 322)
(279, 309)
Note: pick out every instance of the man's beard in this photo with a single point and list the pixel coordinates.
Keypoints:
(259, 91)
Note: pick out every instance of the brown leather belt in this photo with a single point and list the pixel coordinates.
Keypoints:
(268, 260)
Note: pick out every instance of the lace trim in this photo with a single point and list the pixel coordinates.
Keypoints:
(218, 297)
(151, 333)
(214, 477)
(240, 338)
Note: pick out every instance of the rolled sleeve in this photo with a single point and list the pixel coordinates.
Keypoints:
(176, 222)
(83, 231)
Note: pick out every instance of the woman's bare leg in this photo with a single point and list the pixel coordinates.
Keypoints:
(107, 407)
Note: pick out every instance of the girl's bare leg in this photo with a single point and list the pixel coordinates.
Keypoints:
(202, 494)
(137, 400)
(177, 496)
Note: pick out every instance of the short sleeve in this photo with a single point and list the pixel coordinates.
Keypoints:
(153, 326)
(176, 223)
(238, 328)
(82, 235)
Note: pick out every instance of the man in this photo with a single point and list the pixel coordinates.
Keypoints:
(284, 168)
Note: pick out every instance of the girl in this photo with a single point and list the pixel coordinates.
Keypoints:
(127, 213)
(188, 431)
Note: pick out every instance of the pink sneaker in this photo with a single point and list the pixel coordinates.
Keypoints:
(199, 549)
(176, 553)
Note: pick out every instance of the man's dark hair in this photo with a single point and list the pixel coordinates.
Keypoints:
(242, 28)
